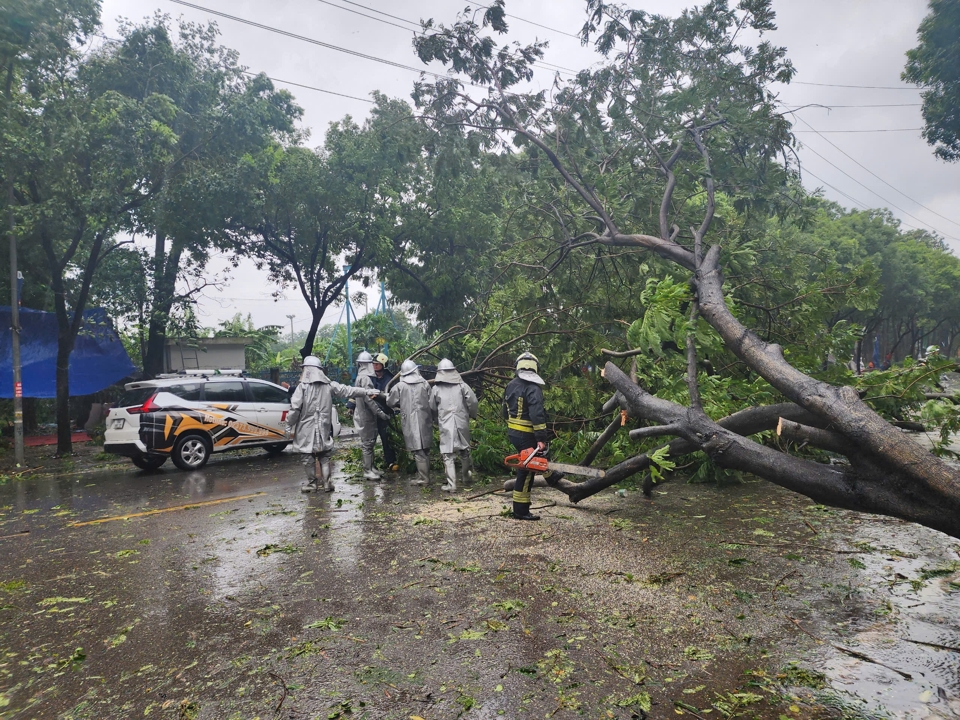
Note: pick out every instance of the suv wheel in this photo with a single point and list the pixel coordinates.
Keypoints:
(191, 452)
(275, 448)
(149, 462)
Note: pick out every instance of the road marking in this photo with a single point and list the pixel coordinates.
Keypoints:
(145, 513)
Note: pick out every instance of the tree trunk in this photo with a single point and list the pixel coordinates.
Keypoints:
(746, 422)
(865, 486)
(64, 431)
(315, 316)
(165, 270)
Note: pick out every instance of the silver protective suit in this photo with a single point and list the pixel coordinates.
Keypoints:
(312, 422)
(412, 395)
(367, 411)
(454, 406)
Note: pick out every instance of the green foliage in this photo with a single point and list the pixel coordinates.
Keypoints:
(933, 65)
(490, 444)
(662, 320)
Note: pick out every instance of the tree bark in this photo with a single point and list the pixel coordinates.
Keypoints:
(165, 270)
(745, 422)
(867, 485)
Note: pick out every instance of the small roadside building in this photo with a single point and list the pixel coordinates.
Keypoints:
(216, 353)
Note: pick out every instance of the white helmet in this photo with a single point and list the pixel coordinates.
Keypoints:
(364, 357)
(408, 366)
(447, 373)
(382, 359)
(933, 349)
(311, 361)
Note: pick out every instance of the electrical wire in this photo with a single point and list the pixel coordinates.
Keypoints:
(416, 27)
(832, 107)
(309, 87)
(371, 17)
(874, 192)
(529, 22)
(863, 167)
(850, 131)
(312, 41)
(859, 87)
(863, 206)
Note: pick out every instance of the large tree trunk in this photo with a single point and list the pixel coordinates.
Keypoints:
(165, 270)
(867, 485)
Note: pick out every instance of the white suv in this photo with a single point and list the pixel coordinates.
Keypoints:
(189, 417)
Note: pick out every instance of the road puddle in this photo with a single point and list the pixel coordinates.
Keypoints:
(904, 614)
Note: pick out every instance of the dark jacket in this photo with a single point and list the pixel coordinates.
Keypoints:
(523, 409)
(380, 383)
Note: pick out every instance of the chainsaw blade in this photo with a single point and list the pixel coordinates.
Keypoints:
(577, 469)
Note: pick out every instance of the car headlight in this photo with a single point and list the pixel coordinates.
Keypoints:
(118, 424)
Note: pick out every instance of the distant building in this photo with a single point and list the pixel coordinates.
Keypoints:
(217, 353)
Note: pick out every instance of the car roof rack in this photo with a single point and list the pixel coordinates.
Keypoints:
(205, 374)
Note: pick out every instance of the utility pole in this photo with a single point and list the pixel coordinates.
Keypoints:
(291, 317)
(15, 336)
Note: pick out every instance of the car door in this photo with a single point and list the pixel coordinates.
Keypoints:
(272, 403)
(237, 415)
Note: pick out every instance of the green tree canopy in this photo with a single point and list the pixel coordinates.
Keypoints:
(935, 65)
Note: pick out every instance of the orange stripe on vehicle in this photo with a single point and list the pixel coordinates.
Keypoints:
(167, 426)
(147, 513)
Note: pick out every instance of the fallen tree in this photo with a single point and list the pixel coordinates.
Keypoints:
(677, 94)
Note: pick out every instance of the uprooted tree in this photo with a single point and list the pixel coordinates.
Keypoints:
(684, 104)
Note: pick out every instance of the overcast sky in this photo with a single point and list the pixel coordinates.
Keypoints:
(848, 53)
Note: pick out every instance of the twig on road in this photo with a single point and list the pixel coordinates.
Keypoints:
(851, 653)
(777, 584)
(283, 684)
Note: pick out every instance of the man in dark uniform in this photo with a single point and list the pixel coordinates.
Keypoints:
(526, 428)
(381, 378)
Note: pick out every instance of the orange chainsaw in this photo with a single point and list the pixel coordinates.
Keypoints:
(532, 459)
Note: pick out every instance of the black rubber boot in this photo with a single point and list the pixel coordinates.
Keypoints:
(521, 511)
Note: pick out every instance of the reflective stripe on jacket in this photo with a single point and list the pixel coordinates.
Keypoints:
(523, 409)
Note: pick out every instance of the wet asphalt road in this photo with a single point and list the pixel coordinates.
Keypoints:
(380, 600)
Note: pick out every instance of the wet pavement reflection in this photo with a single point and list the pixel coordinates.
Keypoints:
(187, 595)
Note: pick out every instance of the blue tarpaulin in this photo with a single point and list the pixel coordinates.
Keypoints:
(98, 359)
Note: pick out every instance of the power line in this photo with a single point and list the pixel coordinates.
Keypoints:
(852, 199)
(541, 63)
(312, 41)
(917, 202)
(371, 17)
(355, 53)
(309, 87)
(531, 22)
(832, 107)
(859, 87)
(893, 205)
(843, 131)
(380, 12)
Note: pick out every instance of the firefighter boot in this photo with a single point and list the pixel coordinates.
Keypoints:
(310, 465)
(423, 468)
(466, 466)
(326, 472)
(369, 473)
(521, 511)
(450, 467)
